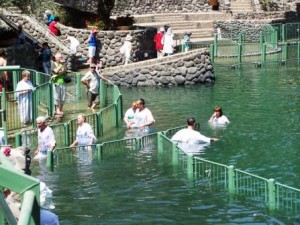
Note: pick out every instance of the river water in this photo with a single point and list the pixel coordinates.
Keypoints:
(263, 106)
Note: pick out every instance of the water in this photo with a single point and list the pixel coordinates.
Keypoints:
(136, 188)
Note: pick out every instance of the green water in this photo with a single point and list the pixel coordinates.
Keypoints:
(136, 188)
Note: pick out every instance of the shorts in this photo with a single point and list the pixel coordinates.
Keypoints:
(92, 98)
(92, 51)
(59, 94)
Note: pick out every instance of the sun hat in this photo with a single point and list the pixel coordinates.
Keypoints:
(47, 12)
(94, 31)
(162, 29)
(128, 38)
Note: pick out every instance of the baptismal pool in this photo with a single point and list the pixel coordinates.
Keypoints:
(263, 106)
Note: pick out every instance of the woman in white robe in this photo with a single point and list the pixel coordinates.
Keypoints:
(24, 97)
(168, 42)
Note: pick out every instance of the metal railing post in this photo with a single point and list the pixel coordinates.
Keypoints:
(67, 133)
(261, 40)
(50, 159)
(240, 53)
(263, 53)
(298, 50)
(51, 101)
(4, 124)
(283, 32)
(175, 152)
(284, 52)
(160, 145)
(215, 44)
(271, 191)
(34, 106)
(138, 144)
(78, 86)
(231, 180)
(18, 139)
(190, 166)
(99, 151)
(102, 93)
(211, 53)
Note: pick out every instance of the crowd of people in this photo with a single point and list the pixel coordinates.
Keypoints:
(165, 44)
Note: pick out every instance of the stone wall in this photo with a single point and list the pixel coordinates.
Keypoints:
(109, 42)
(250, 28)
(137, 7)
(181, 69)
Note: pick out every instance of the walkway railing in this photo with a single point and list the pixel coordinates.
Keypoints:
(102, 122)
(29, 190)
(275, 43)
(266, 193)
(42, 104)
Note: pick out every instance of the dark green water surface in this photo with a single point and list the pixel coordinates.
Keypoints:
(263, 106)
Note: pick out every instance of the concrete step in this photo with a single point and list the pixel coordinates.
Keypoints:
(181, 25)
(14, 9)
(203, 16)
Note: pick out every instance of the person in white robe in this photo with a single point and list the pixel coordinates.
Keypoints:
(24, 98)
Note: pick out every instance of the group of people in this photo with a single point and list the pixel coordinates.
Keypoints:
(138, 116)
(188, 137)
(52, 22)
(164, 42)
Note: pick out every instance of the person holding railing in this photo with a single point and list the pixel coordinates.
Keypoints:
(92, 81)
(85, 134)
(24, 98)
(46, 139)
(190, 136)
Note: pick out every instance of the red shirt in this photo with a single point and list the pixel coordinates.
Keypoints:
(157, 40)
(52, 28)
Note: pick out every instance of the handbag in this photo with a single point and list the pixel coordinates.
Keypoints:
(67, 79)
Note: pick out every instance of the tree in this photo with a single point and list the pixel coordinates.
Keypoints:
(104, 11)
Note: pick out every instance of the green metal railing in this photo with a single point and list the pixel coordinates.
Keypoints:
(266, 193)
(29, 189)
(42, 104)
(65, 133)
(41, 95)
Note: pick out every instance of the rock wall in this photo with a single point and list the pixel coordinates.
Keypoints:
(232, 29)
(109, 42)
(143, 6)
(183, 69)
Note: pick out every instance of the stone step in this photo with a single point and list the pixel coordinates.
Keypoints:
(181, 25)
(14, 9)
(209, 16)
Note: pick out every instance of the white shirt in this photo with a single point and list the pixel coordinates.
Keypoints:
(84, 134)
(190, 136)
(46, 141)
(142, 117)
(74, 43)
(129, 115)
(222, 120)
(93, 81)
